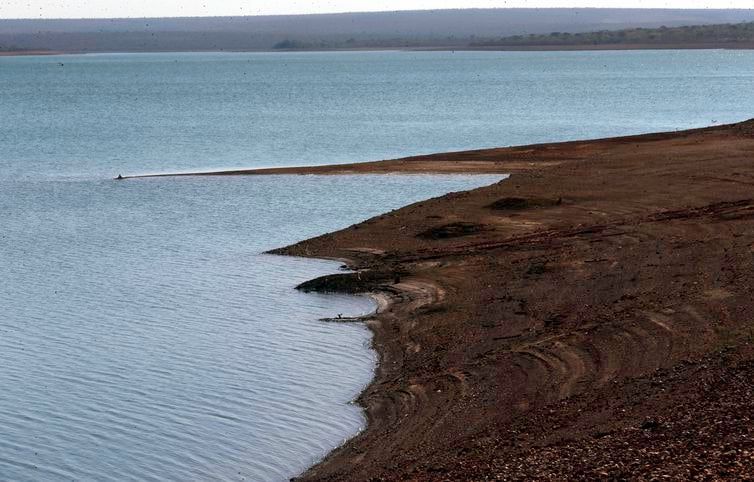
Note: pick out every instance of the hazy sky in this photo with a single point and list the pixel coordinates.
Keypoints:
(164, 8)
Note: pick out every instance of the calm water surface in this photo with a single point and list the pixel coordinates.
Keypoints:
(143, 335)
(156, 112)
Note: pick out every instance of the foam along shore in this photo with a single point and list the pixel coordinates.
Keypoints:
(590, 316)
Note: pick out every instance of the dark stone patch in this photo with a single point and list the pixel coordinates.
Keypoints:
(650, 424)
(453, 230)
(351, 283)
(519, 203)
(430, 310)
(537, 268)
(555, 320)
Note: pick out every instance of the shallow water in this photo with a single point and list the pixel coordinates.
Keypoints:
(143, 335)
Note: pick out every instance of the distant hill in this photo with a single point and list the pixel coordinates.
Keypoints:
(434, 28)
(723, 35)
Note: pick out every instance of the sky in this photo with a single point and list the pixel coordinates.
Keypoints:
(184, 8)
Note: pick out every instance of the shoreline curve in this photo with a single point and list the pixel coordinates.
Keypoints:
(606, 273)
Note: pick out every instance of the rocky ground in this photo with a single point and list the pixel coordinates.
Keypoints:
(589, 317)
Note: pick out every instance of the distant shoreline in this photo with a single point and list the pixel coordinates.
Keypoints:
(608, 47)
(29, 53)
(517, 48)
(504, 29)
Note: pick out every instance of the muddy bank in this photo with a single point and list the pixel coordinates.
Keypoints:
(591, 316)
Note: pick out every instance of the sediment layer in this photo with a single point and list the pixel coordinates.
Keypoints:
(590, 316)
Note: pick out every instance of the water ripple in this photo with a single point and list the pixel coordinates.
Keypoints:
(160, 344)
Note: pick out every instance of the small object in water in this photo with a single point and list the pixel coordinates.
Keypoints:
(120, 177)
(340, 315)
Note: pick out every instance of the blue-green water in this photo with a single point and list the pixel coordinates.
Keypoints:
(98, 114)
(142, 334)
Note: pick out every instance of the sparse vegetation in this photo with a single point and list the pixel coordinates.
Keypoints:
(725, 34)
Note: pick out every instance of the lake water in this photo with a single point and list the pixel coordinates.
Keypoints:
(143, 335)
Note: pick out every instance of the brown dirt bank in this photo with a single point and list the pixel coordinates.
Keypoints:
(589, 317)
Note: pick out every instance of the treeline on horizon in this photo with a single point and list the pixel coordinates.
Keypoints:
(405, 29)
(691, 34)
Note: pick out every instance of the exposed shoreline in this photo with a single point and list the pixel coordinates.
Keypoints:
(588, 317)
